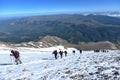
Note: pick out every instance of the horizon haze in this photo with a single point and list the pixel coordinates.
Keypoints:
(45, 7)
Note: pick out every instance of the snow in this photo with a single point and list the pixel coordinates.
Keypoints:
(39, 64)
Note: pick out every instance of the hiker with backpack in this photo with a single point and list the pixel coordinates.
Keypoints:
(61, 54)
(74, 52)
(55, 53)
(65, 53)
(16, 55)
(80, 51)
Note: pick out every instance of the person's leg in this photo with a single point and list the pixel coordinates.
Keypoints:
(19, 61)
(16, 61)
(55, 56)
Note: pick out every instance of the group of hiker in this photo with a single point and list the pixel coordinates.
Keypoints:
(79, 51)
(100, 50)
(16, 55)
(55, 52)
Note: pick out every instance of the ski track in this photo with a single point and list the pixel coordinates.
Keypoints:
(85, 66)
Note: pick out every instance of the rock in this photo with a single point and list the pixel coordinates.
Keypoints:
(100, 69)
(25, 70)
(68, 72)
(91, 73)
(97, 72)
(77, 77)
(116, 73)
(32, 74)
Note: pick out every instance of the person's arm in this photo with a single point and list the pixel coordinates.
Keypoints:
(11, 54)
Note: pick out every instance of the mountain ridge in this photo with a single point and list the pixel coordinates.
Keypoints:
(50, 41)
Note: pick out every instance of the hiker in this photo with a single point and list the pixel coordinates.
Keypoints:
(74, 52)
(96, 50)
(61, 54)
(65, 53)
(55, 53)
(80, 51)
(16, 55)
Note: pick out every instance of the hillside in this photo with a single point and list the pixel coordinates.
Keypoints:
(50, 41)
(39, 65)
(97, 45)
(47, 41)
(73, 28)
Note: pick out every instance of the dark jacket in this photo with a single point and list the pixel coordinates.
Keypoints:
(55, 52)
(15, 54)
(61, 53)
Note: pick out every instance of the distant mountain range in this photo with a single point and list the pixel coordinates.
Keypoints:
(107, 13)
(50, 41)
(73, 28)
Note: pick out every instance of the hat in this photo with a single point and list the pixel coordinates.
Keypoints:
(12, 51)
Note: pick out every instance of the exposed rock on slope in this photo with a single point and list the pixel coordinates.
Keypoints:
(50, 41)
(47, 41)
(96, 45)
(118, 44)
(4, 44)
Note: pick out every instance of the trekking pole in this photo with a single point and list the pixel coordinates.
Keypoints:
(11, 59)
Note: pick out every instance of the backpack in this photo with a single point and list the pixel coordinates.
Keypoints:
(16, 54)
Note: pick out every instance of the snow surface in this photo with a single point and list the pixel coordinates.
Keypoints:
(39, 64)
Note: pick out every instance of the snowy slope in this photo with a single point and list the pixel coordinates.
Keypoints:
(41, 65)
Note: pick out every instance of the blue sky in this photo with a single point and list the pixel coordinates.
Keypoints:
(9, 7)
